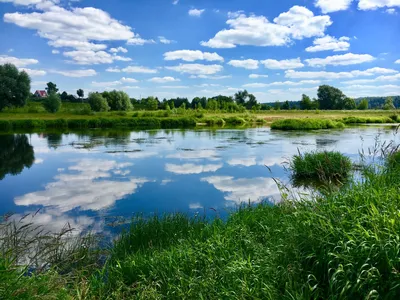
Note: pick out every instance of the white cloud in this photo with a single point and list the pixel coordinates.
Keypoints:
(79, 45)
(106, 83)
(76, 73)
(130, 80)
(297, 23)
(340, 60)
(164, 40)
(174, 87)
(191, 168)
(397, 61)
(18, 62)
(163, 79)
(138, 41)
(281, 83)
(33, 72)
(55, 51)
(328, 6)
(282, 64)
(196, 12)
(247, 162)
(338, 75)
(90, 57)
(330, 43)
(196, 69)
(249, 64)
(87, 188)
(75, 26)
(256, 76)
(195, 155)
(175, 2)
(243, 190)
(391, 11)
(192, 55)
(119, 49)
(383, 78)
(375, 4)
(211, 77)
(132, 69)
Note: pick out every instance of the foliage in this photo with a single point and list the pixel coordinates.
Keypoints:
(305, 124)
(118, 100)
(322, 166)
(389, 104)
(363, 105)
(80, 93)
(51, 88)
(349, 104)
(330, 97)
(14, 87)
(97, 102)
(285, 105)
(52, 103)
(368, 120)
(15, 154)
(305, 102)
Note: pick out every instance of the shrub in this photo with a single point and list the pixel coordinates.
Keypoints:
(52, 103)
(118, 100)
(323, 166)
(97, 102)
(234, 121)
(305, 124)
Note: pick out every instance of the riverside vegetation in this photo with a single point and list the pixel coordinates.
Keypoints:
(340, 244)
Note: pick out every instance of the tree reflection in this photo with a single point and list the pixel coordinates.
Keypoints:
(15, 154)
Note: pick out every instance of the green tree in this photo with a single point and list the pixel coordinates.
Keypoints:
(51, 88)
(118, 100)
(64, 96)
(285, 105)
(212, 104)
(305, 103)
(80, 93)
(330, 97)
(15, 86)
(241, 97)
(389, 104)
(349, 103)
(52, 103)
(277, 105)
(152, 103)
(252, 102)
(15, 154)
(363, 105)
(97, 102)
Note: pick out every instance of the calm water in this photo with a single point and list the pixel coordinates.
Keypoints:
(86, 179)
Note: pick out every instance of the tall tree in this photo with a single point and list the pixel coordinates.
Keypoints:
(285, 105)
(330, 97)
(80, 93)
(14, 86)
(305, 102)
(118, 100)
(389, 104)
(252, 102)
(51, 88)
(363, 105)
(241, 97)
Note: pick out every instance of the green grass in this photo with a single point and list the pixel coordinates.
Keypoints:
(369, 120)
(340, 245)
(322, 166)
(305, 124)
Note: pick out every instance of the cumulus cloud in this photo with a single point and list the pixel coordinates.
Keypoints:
(196, 12)
(196, 69)
(330, 43)
(119, 49)
(33, 73)
(106, 83)
(90, 57)
(282, 64)
(79, 45)
(247, 162)
(281, 83)
(249, 64)
(164, 40)
(132, 69)
(256, 76)
(130, 80)
(375, 4)
(191, 168)
(192, 55)
(328, 6)
(216, 77)
(163, 79)
(76, 73)
(18, 62)
(138, 41)
(196, 154)
(397, 61)
(340, 60)
(298, 23)
(383, 78)
(337, 75)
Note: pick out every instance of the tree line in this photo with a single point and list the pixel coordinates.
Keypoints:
(15, 92)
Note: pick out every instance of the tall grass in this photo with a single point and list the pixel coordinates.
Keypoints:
(305, 124)
(368, 120)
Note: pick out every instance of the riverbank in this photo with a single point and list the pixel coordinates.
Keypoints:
(342, 243)
(11, 121)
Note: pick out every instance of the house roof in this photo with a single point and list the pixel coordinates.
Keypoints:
(41, 93)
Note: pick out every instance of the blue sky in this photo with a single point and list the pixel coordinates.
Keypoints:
(276, 50)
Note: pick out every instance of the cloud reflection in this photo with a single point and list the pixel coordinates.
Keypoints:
(85, 188)
(191, 168)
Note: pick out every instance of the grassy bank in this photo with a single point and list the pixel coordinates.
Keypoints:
(305, 124)
(344, 244)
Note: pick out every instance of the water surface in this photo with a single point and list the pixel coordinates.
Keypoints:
(87, 179)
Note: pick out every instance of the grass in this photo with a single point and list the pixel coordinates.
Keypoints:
(305, 124)
(369, 120)
(339, 245)
(322, 166)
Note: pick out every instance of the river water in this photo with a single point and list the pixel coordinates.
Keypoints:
(88, 179)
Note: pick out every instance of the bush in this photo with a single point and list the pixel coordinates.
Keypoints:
(234, 121)
(305, 124)
(97, 102)
(321, 166)
(52, 103)
(362, 120)
(118, 100)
